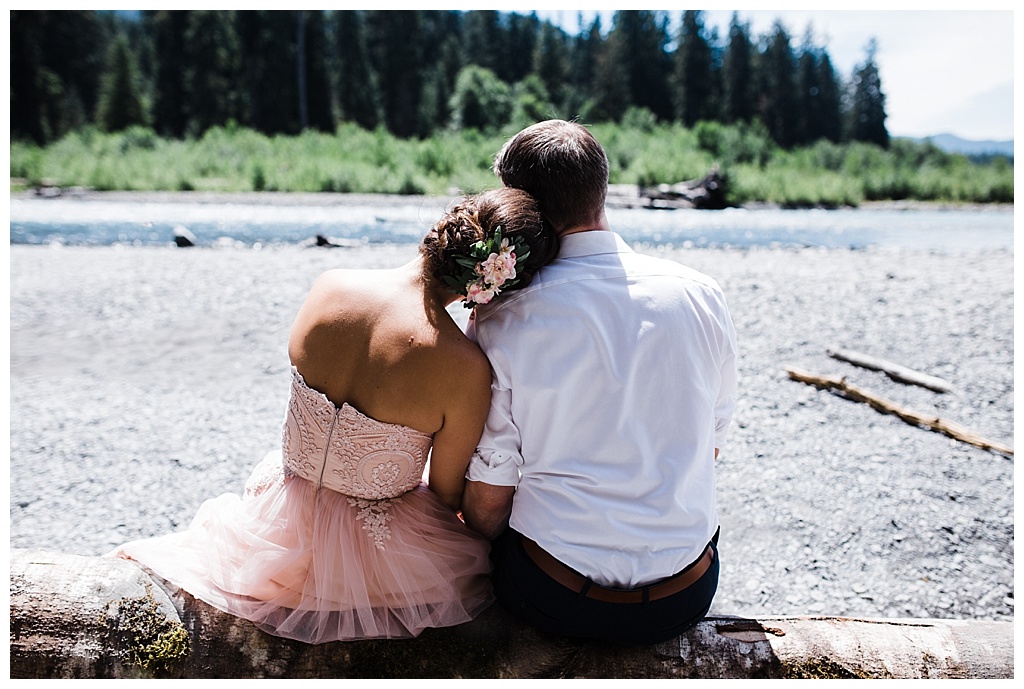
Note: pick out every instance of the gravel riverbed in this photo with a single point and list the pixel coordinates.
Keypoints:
(145, 380)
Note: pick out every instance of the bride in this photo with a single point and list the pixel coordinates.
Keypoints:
(336, 536)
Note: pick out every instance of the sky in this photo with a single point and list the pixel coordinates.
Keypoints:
(943, 71)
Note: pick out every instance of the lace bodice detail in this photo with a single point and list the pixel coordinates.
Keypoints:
(343, 449)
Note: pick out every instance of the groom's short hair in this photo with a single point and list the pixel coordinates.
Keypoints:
(561, 165)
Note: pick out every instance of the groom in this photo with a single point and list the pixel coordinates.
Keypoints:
(612, 388)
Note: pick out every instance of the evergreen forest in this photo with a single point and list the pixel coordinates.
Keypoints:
(225, 99)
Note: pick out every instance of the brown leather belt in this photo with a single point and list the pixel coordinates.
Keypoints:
(577, 583)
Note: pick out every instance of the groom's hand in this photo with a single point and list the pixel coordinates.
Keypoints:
(486, 508)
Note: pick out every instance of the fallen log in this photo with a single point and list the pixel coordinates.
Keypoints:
(939, 425)
(901, 374)
(89, 617)
(707, 193)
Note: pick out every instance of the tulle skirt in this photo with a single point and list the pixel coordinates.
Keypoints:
(318, 566)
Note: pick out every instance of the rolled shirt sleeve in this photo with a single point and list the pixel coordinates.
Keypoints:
(497, 458)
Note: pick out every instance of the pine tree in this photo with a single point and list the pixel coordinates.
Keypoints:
(867, 102)
(830, 96)
(484, 41)
(394, 39)
(166, 29)
(57, 58)
(659, 39)
(26, 89)
(521, 46)
(717, 97)
(355, 80)
(778, 88)
(610, 83)
(638, 41)
(819, 115)
(738, 74)
(318, 86)
(443, 58)
(551, 61)
(808, 91)
(285, 86)
(301, 77)
(268, 88)
(141, 44)
(694, 71)
(76, 51)
(579, 96)
(211, 70)
(120, 105)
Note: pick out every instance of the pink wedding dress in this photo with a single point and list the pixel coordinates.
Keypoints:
(335, 538)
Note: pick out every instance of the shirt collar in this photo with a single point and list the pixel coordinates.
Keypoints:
(592, 243)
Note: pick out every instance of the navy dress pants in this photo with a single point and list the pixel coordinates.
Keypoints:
(533, 597)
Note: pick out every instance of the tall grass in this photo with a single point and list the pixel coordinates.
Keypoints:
(355, 160)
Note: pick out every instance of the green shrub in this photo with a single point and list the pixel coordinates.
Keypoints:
(352, 159)
(639, 119)
(138, 137)
(480, 100)
(259, 179)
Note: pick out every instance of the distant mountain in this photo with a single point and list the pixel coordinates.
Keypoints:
(954, 144)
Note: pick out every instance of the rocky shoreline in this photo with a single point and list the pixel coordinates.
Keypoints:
(145, 380)
(619, 196)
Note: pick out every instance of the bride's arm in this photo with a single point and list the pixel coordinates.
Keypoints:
(454, 443)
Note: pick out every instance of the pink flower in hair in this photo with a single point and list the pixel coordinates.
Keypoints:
(488, 268)
(499, 267)
(478, 292)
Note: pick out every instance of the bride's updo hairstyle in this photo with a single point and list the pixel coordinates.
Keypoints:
(452, 246)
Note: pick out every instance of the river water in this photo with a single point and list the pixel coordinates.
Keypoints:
(100, 223)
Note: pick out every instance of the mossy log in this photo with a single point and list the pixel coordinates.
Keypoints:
(89, 617)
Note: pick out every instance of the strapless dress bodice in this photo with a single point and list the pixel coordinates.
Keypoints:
(343, 449)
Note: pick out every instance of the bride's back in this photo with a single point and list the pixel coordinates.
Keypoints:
(376, 340)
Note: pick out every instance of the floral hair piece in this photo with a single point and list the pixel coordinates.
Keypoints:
(489, 268)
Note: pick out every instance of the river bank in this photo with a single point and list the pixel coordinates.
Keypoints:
(620, 196)
(263, 219)
(145, 380)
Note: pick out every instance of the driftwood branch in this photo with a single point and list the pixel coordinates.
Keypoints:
(901, 374)
(90, 617)
(952, 429)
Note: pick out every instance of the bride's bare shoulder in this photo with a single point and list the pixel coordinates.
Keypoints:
(464, 360)
(346, 290)
(341, 279)
(327, 312)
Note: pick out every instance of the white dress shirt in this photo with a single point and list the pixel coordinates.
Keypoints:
(613, 381)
